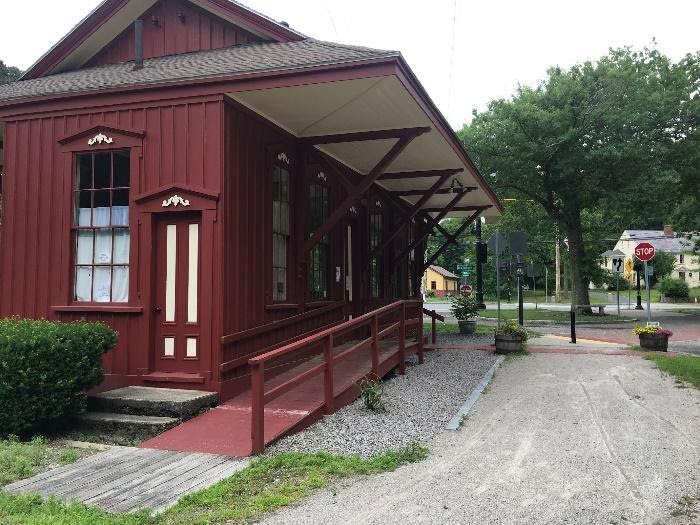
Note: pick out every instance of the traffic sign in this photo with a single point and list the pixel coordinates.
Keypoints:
(629, 269)
(497, 243)
(617, 264)
(466, 290)
(645, 251)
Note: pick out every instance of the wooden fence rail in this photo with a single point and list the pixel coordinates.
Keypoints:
(326, 338)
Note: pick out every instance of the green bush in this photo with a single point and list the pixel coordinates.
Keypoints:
(45, 369)
(463, 308)
(675, 288)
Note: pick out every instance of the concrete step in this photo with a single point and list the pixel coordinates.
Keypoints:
(123, 428)
(148, 401)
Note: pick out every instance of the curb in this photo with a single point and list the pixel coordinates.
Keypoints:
(469, 403)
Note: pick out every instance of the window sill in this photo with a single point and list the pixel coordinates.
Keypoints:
(282, 306)
(318, 304)
(112, 309)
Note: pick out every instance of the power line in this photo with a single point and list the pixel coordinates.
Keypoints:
(330, 15)
(452, 57)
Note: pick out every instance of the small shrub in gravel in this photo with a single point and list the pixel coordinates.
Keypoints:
(371, 393)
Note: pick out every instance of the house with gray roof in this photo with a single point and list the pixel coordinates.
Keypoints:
(687, 264)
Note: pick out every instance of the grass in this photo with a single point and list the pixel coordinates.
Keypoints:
(685, 368)
(23, 459)
(268, 483)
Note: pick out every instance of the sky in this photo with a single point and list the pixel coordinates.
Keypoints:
(465, 53)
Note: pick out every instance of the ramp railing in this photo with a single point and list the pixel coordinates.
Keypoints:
(389, 321)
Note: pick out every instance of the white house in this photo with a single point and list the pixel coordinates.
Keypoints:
(687, 265)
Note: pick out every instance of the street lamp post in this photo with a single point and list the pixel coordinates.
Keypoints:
(520, 274)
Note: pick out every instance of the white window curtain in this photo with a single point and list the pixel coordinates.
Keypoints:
(102, 246)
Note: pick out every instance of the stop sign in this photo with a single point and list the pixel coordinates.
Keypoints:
(645, 251)
(466, 290)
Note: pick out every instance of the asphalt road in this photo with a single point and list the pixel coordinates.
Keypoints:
(557, 438)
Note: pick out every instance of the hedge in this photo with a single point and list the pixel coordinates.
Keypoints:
(45, 369)
(675, 288)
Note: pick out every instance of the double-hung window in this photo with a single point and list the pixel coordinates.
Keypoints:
(101, 227)
(280, 232)
(318, 255)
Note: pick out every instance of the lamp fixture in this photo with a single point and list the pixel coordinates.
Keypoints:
(456, 186)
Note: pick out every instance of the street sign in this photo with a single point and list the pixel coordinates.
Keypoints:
(518, 243)
(645, 251)
(466, 290)
(650, 270)
(497, 243)
(629, 269)
(617, 264)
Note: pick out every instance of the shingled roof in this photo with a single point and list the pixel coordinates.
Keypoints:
(661, 242)
(236, 60)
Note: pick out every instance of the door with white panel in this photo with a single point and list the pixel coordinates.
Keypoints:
(177, 344)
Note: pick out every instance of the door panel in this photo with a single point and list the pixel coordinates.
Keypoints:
(178, 250)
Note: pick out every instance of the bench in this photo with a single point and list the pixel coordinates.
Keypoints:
(600, 307)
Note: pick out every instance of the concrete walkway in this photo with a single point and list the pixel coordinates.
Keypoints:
(556, 438)
(123, 479)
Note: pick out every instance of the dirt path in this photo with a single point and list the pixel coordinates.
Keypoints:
(557, 438)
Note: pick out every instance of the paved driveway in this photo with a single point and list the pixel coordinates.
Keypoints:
(557, 438)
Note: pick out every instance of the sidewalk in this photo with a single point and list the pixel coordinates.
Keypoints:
(556, 439)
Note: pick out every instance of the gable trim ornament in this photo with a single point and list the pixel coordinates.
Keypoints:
(100, 138)
(175, 200)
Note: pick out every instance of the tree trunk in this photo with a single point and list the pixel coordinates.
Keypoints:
(579, 295)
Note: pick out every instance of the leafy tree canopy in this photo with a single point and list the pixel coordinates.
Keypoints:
(8, 73)
(597, 147)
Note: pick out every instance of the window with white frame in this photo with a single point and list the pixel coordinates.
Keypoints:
(280, 232)
(101, 227)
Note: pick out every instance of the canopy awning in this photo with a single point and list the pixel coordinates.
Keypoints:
(357, 121)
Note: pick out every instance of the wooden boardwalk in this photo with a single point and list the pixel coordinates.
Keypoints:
(124, 479)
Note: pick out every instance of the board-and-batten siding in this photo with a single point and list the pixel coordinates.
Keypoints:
(200, 31)
(182, 144)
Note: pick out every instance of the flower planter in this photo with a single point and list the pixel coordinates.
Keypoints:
(466, 327)
(655, 342)
(505, 344)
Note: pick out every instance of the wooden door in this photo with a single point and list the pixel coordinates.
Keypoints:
(177, 301)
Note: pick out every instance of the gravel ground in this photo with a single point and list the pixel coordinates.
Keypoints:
(418, 406)
(557, 439)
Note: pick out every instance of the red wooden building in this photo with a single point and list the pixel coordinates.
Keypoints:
(214, 184)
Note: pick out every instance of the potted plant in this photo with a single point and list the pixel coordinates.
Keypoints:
(464, 309)
(510, 337)
(653, 337)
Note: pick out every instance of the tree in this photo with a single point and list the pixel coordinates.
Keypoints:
(8, 74)
(586, 144)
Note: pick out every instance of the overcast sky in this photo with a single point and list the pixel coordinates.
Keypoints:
(497, 44)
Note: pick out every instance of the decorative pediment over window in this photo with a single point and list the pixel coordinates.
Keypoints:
(179, 197)
(102, 137)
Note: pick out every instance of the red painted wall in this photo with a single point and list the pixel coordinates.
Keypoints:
(182, 144)
(200, 31)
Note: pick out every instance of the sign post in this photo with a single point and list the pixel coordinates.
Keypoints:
(645, 252)
(497, 244)
(617, 268)
(629, 275)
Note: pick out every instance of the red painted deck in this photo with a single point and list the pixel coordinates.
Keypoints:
(226, 429)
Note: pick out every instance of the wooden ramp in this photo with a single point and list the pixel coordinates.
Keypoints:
(281, 403)
(226, 429)
(124, 479)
